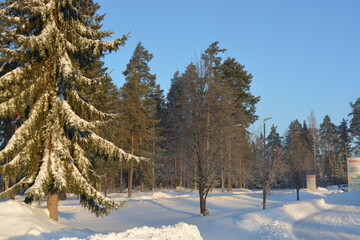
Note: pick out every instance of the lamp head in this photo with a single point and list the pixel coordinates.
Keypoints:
(268, 118)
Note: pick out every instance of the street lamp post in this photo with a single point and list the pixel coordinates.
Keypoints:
(266, 178)
(265, 119)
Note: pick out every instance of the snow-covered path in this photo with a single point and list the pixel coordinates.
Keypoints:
(338, 222)
(169, 208)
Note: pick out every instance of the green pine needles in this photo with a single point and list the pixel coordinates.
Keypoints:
(45, 45)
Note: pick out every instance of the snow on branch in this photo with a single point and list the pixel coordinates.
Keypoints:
(19, 87)
(22, 135)
(39, 41)
(12, 190)
(38, 190)
(65, 65)
(78, 103)
(102, 146)
(10, 54)
(90, 197)
(19, 161)
(72, 119)
(19, 102)
(16, 20)
(31, 6)
(13, 77)
(97, 46)
(58, 156)
(82, 162)
(79, 28)
(85, 18)
(69, 71)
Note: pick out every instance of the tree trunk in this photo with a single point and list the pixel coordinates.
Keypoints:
(142, 187)
(142, 184)
(130, 179)
(297, 193)
(131, 168)
(121, 180)
(346, 150)
(222, 181)
(203, 210)
(265, 191)
(9, 181)
(181, 183)
(240, 172)
(195, 179)
(6, 183)
(105, 188)
(52, 205)
(229, 186)
(153, 175)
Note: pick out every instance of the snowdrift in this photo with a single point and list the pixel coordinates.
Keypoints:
(18, 218)
(27, 222)
(280, 221)
(180, 231)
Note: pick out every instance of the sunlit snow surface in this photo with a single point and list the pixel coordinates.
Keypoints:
(171, 214)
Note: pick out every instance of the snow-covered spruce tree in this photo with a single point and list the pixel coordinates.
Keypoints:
(44, 47)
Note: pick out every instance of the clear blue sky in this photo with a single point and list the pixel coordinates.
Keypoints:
(304, 55)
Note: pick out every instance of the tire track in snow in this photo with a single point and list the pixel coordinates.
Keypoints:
(338, 222)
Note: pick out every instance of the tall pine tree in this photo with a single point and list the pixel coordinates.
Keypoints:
(47, 45)
(344, 150)
(355, 123)
(328, 146)
(138, 106)
(298, 154)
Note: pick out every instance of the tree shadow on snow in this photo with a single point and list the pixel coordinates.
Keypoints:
(308, 229)
(67, 215)
(172, 209)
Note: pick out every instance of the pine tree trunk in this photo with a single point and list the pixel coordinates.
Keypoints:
(105, 185)
(346, 151)
(142, 187)
(12, 181)
(153, 162)
(195, 179)
(142, 184)
(153, 175)
(6, 183)
(9, 181)
(130, 179)
(229, 186)
(52, 205)
(174, 182)
(222, 181)
(121, 180)
(131, 168)
(181, 183)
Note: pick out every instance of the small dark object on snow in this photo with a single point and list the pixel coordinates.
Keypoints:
(62, 196)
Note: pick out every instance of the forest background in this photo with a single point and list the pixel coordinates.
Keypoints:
(198, 133)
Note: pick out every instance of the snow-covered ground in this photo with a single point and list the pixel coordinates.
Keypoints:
(171, 214)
